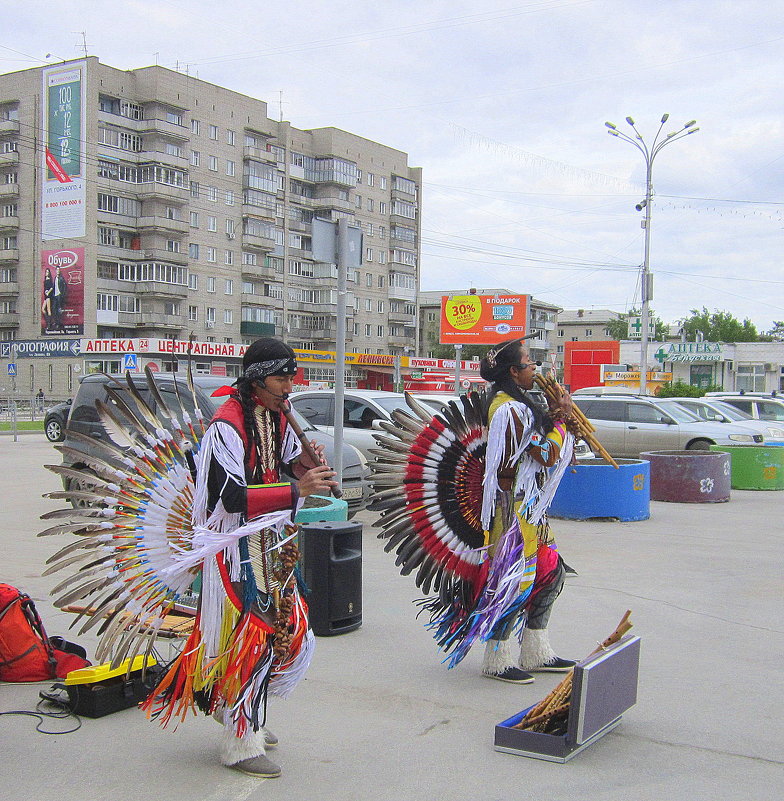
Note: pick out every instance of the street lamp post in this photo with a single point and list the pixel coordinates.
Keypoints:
(646, 279)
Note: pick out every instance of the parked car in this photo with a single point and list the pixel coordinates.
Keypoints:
(627, 425)
(84, 419)
(55, 421)
(761, 406)
(718, 411)
(363, 409)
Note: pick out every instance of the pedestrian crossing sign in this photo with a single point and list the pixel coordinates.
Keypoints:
(130, 361)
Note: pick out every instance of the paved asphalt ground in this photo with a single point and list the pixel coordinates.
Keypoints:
(379, 717)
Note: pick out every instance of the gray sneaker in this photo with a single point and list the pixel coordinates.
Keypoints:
(270, 740)
(259, 766)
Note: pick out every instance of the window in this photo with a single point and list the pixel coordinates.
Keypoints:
(212, 223)
(115, 204)
(230, 228)
(231, 167)
(381, 282)
(403, 208)
(381, 307)
(153, 271)
(368, 254)
(212, 256)
(172, 149)
(369, 204)
(196, 127)
(228, 287)
(171, 308)
(368, 305)
(212, 193)
(172, 245)
(10, 210)
(193, 251)
(603, 410)
(316, 410)
(383, 182)
(228, 316)
(210, 314)
(229, 197)
(367, 329)
(643, 413)
(371, 179)
(193, 281)
(559, 348)
(194, 219)
(211, 284)
(193, 313)
(404, 185)
(195, 189)
(589, 332)
(213, 131)
(12, 178)
(560, 332)
(250, 259)
(213, 164)
(750, 377)
(382, 257)
(229, 257)
(195, 158)
(231, 137)
(368, 279)
(301, 268)
(382, 207)
(358, 201)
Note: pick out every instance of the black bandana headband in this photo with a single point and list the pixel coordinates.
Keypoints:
(260, 370)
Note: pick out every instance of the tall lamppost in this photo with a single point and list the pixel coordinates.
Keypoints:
(649, 154)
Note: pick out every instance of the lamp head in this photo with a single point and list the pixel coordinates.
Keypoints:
(664, 118)
(630, 120)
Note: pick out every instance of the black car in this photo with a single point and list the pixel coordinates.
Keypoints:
(55, 421)
(83, 418)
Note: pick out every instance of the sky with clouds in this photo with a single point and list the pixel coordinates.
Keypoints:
(503, 105)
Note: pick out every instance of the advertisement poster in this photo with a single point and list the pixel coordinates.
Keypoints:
(63, 190)
(482, 319)
(62, 292)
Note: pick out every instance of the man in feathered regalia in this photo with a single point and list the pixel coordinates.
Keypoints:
(251, 633)
(477, 479)
(524, 448)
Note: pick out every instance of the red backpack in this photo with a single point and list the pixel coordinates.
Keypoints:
(26, 653)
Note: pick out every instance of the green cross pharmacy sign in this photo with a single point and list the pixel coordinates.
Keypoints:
(689, 352)
(635, 327)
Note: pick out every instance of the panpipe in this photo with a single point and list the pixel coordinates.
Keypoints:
(583, 428)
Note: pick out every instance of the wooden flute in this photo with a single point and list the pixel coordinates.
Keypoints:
(306, 446)
(554, 391)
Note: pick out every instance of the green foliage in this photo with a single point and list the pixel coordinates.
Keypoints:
(681, 390)
(619, 329)
(468, 352)
(719, 326)
(775, 334)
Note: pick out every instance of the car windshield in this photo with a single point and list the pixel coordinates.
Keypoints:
(680, 413)
(390, 404)
(209, 387)
(730, 411)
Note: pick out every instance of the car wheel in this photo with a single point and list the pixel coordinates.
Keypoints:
(54, 430)
(699, 445)
(75, 485)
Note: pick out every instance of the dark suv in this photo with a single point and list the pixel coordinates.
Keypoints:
(84, 419)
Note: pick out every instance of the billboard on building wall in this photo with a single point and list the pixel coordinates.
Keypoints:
(62, 292)
(482, 319)
(63, 188)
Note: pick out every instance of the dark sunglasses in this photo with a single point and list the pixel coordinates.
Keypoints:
(528, 364)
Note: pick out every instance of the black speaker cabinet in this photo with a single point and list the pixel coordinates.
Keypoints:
(331, 554)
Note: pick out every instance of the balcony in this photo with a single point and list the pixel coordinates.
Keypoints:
(332, 202)
(170, 129)
(163, 223)
(7, 223)
(9, 127)
(256, 242)
(401, 318)
(148, 156)
(257, 329)
(112, 252)
(260, 271)
(9, 288)
(9, 254)
(159, 320)
(401, 341)
(159, 254)
(266, 214)
(9, 190)
(9, 159)
(154, 190)
(258, 154)
(158, 289)
(8, 319)
(401, 293)
(313, 334)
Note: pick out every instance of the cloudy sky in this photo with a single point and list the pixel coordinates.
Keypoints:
(503, 105)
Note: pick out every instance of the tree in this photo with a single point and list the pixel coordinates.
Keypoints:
(619, 328)
(448, 351)
(775, 334)
(718, 326)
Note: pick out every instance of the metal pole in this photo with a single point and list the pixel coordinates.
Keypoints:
(458, 358)
(645, 277)
(340, 348)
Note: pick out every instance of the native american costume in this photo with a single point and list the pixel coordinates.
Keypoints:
(485, 551)
(147, 529)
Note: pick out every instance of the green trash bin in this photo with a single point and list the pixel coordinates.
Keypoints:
(755, 467)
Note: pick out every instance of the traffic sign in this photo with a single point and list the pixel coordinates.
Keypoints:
(12, 368)
(130, 361)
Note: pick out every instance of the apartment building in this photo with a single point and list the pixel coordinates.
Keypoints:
(148, 204)
(540, 320)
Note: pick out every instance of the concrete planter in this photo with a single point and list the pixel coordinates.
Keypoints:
(595, 488)
(755, 467)
(689, 476)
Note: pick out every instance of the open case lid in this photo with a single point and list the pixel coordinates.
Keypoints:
(603, 688)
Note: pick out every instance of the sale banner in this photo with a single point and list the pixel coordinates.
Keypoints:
(482, 319)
